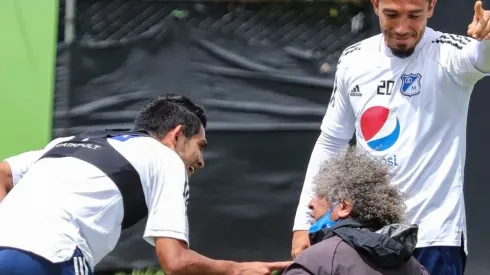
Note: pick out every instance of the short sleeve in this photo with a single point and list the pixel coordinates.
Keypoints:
(21, 163)
(167, 209)
(339, 119)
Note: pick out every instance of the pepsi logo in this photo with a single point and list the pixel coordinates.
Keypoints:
(380, 127)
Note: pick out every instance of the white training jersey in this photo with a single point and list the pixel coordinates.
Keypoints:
(58, 204)
(411, 114)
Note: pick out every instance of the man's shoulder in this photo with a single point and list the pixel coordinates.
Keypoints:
(324, 249)
(357, 52)
(449, 40)
(59, 140)
(318, 256)
(145, 149)
(442, 46)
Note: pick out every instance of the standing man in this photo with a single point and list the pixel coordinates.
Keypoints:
(405, 93)
(67, 203)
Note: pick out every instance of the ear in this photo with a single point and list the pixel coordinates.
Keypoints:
(375, 6)
(170, 140)
(432, 5)
(345, 208)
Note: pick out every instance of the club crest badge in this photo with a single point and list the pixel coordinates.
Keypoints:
(411, 84)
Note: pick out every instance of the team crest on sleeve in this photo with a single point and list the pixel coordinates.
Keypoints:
(411, 84)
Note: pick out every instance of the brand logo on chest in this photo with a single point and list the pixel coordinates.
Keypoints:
(355, 91)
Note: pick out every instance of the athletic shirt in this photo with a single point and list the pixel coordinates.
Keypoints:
(58, 204)
(411, 114)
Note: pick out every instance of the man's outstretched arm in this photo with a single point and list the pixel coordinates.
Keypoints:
(167, 226)
(177, 259)
(325, 147)
(6, 182)
(470, 61)
(480, 30)
(337, 129)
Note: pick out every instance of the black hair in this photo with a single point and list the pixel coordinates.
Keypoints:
(161, 115)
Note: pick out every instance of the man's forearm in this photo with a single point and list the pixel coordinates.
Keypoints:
(177, 259)
(193, 263)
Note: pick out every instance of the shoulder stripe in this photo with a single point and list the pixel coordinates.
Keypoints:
(461, 39)
(441, 41)
(349, 50)
(352, 46)
(457, 41)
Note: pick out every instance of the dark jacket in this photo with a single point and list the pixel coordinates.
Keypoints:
(350, 249)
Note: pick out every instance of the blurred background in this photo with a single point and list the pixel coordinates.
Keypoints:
(262, 69)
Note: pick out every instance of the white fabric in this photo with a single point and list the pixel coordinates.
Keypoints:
(62, 203)
(479, 58)
(418, 127)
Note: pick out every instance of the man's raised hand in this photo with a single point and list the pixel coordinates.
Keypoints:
(480, 26)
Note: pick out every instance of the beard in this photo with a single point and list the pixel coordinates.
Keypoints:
(402, 53)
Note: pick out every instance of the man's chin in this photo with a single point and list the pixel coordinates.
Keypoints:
(402, 52)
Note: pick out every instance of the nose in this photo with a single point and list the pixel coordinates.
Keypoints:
(402, 27)
(200, 161)
(310, 204)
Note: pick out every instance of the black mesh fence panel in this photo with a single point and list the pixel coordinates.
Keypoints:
(315, 32)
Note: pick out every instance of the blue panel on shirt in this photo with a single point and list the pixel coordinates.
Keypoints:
(124, 137)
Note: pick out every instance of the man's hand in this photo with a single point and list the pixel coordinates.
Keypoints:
(301, 241)
(480, 27)
(259, 268)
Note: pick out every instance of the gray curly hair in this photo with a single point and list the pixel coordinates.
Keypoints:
(364, 181)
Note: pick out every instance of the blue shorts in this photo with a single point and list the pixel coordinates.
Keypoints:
(442, 260)
(19, 262)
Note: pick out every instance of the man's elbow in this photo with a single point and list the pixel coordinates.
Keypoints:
(172, 256)
(172, 266)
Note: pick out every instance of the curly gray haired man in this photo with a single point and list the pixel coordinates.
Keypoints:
(361, 185)
(359, 222)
